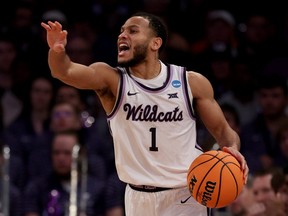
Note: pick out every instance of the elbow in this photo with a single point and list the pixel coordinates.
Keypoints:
(58, 75)
(55, 74)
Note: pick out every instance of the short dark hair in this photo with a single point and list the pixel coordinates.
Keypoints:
(74, 133)
(273, 81)
(278, 179)
(157, 25)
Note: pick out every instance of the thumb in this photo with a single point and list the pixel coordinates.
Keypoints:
(59, 48)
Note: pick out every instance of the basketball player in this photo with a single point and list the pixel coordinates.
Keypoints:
(150, 113)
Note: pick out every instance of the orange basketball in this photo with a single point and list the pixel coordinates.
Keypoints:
(215, 179)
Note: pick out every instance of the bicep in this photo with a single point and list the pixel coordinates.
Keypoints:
(211, 115)
(206, 106)
(94, 77)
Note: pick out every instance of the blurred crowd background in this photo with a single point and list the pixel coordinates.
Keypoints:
(240, 46)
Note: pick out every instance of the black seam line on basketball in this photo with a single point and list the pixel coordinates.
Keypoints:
(220, 176)
(201, 164)
(225, 164)
(213, 156)
(206, 176)
(220, 183)
(233, 176)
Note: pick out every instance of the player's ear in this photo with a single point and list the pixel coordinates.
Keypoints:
(156, 43)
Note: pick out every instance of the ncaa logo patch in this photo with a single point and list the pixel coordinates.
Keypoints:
(176, 83)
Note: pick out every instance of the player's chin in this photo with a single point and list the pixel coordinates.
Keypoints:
(123, 62)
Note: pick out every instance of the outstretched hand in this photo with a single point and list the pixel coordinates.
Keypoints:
(56, 37)
(241, 160)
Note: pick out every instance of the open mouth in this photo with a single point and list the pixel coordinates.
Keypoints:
(122, 48)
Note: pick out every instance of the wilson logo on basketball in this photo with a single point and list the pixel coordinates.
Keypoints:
(220, 178)
(207, 194)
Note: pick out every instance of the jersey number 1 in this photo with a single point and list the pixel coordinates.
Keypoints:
(153, 140)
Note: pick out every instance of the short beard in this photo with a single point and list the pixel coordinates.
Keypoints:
(140, 54)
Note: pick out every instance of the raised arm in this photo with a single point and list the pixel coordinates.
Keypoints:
(99, 76)
(214, 119)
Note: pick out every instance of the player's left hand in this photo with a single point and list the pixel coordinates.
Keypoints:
(241, 160)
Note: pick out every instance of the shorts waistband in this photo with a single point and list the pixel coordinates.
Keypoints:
(146, 188)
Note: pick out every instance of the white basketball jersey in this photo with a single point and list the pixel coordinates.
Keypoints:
(154, 130)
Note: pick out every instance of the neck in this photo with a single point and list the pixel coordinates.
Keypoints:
(146, 70)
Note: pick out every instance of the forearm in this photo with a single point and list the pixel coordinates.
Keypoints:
(229, 138)
(59, 63)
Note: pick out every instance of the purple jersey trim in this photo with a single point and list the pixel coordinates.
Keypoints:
(120, 93)
(185, 88)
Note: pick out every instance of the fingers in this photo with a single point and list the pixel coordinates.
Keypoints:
(241, 159)
(45, 26)
(54, 26)
(246, 173)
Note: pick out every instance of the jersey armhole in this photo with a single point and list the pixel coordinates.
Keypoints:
(188, 93)
(120, 93)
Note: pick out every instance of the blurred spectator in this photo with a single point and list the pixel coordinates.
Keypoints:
(69, 94)
(259, 34)
(26, 136)
(10, 102)
(219, 38)
(24, 29)
(282, 141)
(50, 194)
(65, 116)
(240, 206)
(258, 138)
(267, 203)
(242, 93)
(93, 127)
(193, 11)
(177, 50)
(220, 73)
(22, 23)
(108, 16)
(114, 196)
(80, 49)
(88, 42)
(280, 186)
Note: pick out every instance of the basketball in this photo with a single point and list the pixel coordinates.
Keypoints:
(215, 179)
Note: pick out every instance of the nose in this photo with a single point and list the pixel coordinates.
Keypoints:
(260, 197)
(122, 35)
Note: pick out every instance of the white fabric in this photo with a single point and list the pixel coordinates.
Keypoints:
(175, 138)
(157, 81)
(165, 203)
